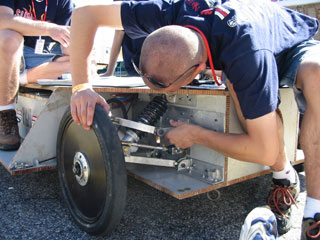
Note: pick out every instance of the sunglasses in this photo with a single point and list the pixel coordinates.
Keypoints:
(155, 82)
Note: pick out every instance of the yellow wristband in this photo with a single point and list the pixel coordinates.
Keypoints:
(81, 86)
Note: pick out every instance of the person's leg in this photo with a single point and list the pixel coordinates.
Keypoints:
(49, 65)
(11, 44)
(49, 70)
(285, 186)
(41, 67)
(308, 81)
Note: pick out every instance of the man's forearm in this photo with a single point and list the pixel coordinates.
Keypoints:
(233, 145)
(28, 27)
(260, 144)
(25, 27)
(238, 146)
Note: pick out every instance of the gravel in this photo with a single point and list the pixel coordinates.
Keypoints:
(32, 207)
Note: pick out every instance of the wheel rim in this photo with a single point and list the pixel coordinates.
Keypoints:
(85, 179)
(81, 168)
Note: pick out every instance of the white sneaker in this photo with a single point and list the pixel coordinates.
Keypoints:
(260, 224)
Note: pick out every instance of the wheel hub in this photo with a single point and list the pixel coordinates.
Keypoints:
(81, 168)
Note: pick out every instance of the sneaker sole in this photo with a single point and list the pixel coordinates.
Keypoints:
(247, 230)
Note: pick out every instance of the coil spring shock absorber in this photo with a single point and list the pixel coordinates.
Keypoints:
(150, 115)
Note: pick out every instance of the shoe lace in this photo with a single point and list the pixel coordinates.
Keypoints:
(314, 226)
(280, 197)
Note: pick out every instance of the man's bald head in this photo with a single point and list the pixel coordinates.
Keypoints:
(168, 52)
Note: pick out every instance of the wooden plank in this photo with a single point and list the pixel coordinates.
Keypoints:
(219, 92)
(7, 156)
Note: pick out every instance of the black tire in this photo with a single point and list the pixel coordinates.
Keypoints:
(97, 206)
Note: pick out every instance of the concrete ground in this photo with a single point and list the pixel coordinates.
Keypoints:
(31, 207)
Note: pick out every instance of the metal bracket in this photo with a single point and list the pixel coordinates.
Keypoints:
(203, 171)
(141, 126)
(151, 161)
(134, 125)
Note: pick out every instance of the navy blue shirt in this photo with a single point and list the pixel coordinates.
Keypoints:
(59, 12)
(131, 49)
(244, 36)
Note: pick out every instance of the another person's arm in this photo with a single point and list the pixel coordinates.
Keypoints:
(84, 24)
(114, 52)
(28, 27)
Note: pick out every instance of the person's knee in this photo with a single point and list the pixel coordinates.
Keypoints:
(308, 77)
(10, 42)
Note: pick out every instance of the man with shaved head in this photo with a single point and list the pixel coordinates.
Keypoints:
(163, 48)
(258, 45)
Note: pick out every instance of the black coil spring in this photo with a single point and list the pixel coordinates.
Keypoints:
(153, 111)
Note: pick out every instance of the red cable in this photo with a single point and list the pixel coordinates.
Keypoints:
(208, 52)
(45, 10)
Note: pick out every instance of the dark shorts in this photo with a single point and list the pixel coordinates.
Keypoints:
(288, 65)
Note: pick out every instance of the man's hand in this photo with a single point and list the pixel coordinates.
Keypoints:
(60, 34)
(183, 135)
(83, 104)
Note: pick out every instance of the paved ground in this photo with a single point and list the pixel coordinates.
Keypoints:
(31, 207)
